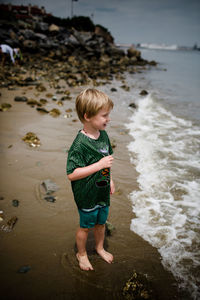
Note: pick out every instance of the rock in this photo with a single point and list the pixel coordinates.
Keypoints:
(41, 26)
(15, 203)
(5, 106)
(153, 63)
(49, 95)
(43, 101)
(113, 143)
(42, 110)
(21, 99)
(53, 27)
(1, 216)
(30, 45)
(40, 88)
(31, 139)
(100, 30)
(132, 52)
(113, 90)
(132, 105)
(143, 93)
(33, 102)
(24, 269)
(50, 199)
(125, 87)
(54, 112)
(54, 98)
(29, 34)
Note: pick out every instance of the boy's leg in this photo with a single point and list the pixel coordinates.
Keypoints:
(99, 234)
(81, 239)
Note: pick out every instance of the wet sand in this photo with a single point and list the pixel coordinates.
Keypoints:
(44, 235)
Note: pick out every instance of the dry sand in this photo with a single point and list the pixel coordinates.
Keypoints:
(44, 235)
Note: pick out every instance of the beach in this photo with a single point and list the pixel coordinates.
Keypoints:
(43, 237)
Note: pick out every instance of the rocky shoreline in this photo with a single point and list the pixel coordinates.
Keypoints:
(77, 56)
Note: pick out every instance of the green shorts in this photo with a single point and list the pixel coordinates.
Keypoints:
(88, 219)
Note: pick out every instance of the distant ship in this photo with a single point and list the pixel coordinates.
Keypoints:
(166, 47)
(158, 46)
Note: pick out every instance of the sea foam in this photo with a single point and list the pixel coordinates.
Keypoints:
(167, 206)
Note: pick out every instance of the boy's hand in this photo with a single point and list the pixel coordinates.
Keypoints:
(106, 162)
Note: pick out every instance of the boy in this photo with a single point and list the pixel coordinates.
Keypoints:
(88, 169)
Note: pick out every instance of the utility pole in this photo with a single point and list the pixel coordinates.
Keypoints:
(72, 12)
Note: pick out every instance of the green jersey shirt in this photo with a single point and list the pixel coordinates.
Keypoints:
(94, 189)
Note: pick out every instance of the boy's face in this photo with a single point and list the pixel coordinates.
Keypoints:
(100, 120)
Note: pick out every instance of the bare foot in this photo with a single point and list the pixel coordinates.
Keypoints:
(84, 263)
(108, 257)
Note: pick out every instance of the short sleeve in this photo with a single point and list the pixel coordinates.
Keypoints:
(74, 160)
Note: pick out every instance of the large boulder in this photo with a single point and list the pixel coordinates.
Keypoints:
(54, 27)
(99, 30)
(30, 45)
(132, 52)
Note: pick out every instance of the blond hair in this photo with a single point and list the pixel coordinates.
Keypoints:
(90, 101)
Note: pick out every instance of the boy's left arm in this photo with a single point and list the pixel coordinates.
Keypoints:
(112, 186)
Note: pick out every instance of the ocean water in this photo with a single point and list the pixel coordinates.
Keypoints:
(165, 149)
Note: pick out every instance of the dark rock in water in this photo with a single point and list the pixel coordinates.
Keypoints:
(132, 105)
(21, 99)
(152, 63)
(143, 93)
(138, 287)
(125, 87)
(24, 269)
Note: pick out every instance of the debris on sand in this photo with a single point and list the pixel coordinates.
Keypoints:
(31, 139)
(5, 106)
(54, 112)
(15, 203)
(49, 186)
(24, 269)
(10, 224)
(138, 287)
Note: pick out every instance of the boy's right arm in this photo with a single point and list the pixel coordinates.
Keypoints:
(80, 173)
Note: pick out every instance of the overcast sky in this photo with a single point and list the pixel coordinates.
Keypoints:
(135, 21)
